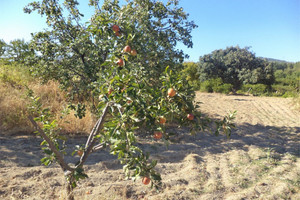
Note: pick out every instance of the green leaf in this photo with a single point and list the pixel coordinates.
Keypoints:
(48, 151)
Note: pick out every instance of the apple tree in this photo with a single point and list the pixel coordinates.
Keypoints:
(123, 65)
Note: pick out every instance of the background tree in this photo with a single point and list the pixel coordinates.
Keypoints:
(235, 66)
(190, 73)
(2, 47)
(18, 50)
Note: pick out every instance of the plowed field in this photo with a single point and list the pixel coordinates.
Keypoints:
(260, 161)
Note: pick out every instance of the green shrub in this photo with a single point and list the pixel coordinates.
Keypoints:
(216, 85)
(255, 89)
(280, 90)
(206, 86)
(289, 94)
(224, 88)
(210, 85)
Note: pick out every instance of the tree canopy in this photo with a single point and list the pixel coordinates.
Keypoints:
(235, 66)
(71, 50)
(2, 47)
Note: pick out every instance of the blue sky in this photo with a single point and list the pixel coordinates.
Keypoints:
(270, 27)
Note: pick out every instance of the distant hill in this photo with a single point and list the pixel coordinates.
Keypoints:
(275, 60)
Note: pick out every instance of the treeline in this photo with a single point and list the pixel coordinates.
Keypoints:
(17, 50)
(237, 70)
(231, 70)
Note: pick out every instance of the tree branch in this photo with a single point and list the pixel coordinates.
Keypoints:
(89, 146)
(59, 156)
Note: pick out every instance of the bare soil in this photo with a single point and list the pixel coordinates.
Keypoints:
(260, 161)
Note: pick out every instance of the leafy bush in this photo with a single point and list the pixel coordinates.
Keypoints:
(255, 89)
(224, 88)
(15, 75)
(289, 94)
(284, 90)
(210, 85)
(190, 74)
(206, 86)
(296, 102)
(216, 85)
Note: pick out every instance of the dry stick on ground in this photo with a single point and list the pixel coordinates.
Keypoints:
(90, 147)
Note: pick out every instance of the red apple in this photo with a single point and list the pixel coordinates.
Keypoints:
(120, 62)
(115, 28)
(127, 49)
(162, 120)
(171, 92)
(133, 52)
(157, 135)
(190, 117)
(146, 180)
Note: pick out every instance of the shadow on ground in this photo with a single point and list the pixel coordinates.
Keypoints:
(25, 150)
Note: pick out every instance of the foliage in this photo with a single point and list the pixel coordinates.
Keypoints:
(254, 89)
(287, 80)
(281, 65)
(84, 52)
(226, 124)
(190, 71)
(129, 107)
(288, 77)
(18, 51)
(283, 90)
(225, 88)
(235, 66)
(215, 85)
(127, 90)
(190, 74)
(208, 85)
(2, 47)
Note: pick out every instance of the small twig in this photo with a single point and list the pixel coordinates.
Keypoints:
(98, 147)
(120, 111)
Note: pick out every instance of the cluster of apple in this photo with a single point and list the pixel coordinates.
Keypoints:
(116, 29)
(171, 93)
(127, 49)
(162, 120)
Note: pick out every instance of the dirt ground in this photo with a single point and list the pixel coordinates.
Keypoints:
(260, 161)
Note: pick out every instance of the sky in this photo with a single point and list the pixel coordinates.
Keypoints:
(270, 27)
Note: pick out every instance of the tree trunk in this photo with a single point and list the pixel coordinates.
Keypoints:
(69, 188)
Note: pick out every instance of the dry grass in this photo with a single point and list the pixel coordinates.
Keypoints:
(296, 102)
(13, 103)
(13, 110)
